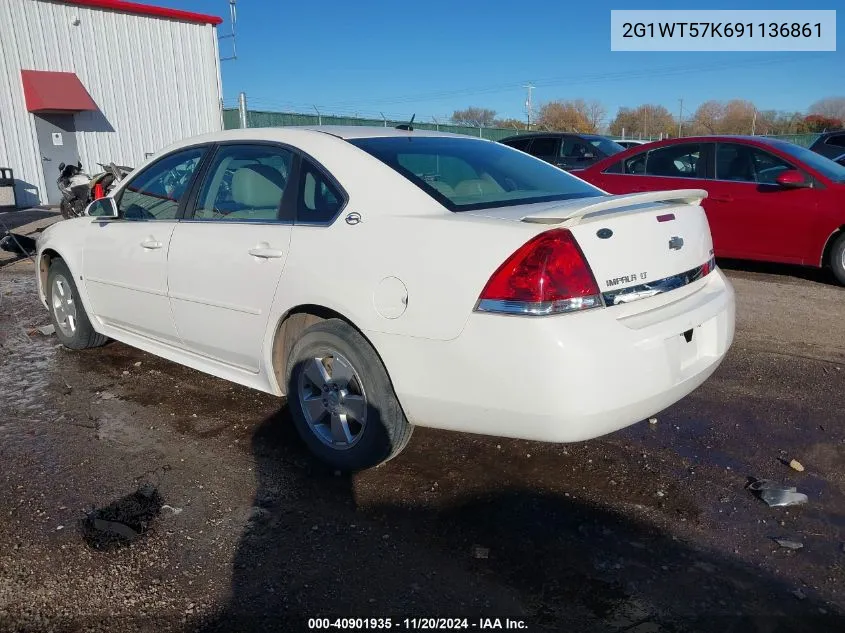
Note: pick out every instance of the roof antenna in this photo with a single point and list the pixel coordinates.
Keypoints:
(409, 125)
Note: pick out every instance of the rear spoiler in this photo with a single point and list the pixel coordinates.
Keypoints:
(615, 204)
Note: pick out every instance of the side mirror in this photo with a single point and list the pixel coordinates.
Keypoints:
(792, 179)
(102, 208)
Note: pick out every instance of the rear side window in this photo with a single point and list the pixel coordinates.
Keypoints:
(520, 143)
(674, 161)
(245, 182)
(544, 146)
(615, 168)
(319, 199)
(464, 173)
(837, 139)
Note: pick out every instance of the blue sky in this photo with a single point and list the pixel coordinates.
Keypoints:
(432, 58)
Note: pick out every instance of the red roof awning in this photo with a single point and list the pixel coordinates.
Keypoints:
(147, 9)
(47, 91)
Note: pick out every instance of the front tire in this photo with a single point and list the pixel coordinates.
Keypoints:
(837, 259)
(341, 399)
(73, 328)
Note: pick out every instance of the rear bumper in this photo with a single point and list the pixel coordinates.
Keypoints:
(565, 378)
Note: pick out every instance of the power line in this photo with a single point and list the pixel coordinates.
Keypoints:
(582, 79)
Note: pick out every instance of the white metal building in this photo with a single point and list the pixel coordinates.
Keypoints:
(100, 81)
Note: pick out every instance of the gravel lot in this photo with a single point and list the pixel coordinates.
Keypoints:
(138, 495)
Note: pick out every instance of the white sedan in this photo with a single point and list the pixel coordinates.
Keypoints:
(384, 278)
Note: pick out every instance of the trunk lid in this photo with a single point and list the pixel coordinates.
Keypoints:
(642, 243)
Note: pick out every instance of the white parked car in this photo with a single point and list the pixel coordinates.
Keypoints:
(382, 279)
(628, 143)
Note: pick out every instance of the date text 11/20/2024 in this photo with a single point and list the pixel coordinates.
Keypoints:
(416, 624)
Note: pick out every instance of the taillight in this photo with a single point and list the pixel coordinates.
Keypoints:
(547, 275)
(98, 191)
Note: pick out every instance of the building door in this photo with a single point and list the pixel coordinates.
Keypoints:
(57, 144)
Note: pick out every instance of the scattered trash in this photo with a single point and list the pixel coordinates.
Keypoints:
(20, 244)
(660, 493)
(61, 527)
(652, 420)
(480, 552)
(799, 594)
(125, 372)
(788, 544)
(138, 364)
(171, 509)
(122, 521)
(796, 465)
(776, 495)
(46, 330)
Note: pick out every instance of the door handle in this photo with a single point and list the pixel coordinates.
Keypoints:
(266, 253)
(151, 244)
(721, 198)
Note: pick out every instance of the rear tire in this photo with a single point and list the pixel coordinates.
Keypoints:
(837, 259)
(73, 328)
(341, 399)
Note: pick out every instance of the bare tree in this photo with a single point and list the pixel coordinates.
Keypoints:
(831, 107)
(566, 116)
(738, 117)
(477, 117)
(596, 113)
(708, 117)
(516, 124)
(647, 119)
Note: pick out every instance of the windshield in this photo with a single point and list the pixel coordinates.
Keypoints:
(467, 174)
(605, 145)
(825, 166)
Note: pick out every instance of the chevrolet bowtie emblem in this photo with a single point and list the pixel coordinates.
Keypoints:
(676, 243)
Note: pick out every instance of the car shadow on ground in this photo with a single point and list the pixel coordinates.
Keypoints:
(817, 275)
(310, 550)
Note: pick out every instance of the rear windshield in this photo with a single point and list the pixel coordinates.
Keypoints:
(467, 174)
(605, 145)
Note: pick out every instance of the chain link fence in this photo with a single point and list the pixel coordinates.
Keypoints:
(257, 118)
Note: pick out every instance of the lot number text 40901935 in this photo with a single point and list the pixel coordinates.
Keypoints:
(416, 624)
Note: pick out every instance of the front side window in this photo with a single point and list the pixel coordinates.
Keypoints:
(319, 200)
(154, 194)
(743, 163)
(465, 174)
(245, 182)
(605, 145)
(576, 149)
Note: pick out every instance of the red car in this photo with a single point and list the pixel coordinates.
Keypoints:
(767, 199)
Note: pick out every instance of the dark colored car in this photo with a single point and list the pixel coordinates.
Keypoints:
(831, 145)
(567, 151)
(767, 199)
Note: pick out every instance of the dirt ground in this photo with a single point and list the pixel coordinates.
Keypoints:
(138, 495)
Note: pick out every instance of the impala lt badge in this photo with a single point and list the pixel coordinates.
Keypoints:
(676, 243)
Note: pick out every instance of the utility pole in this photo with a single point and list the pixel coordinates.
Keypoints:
(242, 109)
(754, 122)
(680, 116)
(528, 104)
